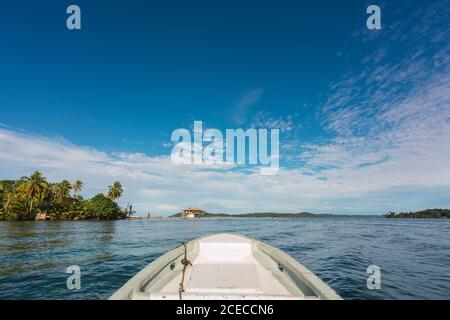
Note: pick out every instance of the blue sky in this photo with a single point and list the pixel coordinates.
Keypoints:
(364, 115)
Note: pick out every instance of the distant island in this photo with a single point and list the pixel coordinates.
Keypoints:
(34, 198)
(424, 214)
(261, 215)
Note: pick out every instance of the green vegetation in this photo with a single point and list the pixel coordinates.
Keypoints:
(425, 214)
(115, 191)
(261, 215)
(33, 196)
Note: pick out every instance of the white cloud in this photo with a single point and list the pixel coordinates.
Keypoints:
(242, 106)
(264, 120)
(391, 119)
(155, 184)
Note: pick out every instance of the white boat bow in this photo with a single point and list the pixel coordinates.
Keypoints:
(225, 266)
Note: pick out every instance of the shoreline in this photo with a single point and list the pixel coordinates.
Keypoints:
(221, 216)
(193, 219)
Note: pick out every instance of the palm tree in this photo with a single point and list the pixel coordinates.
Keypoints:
(34, 187)
(2, 190)
(6, 188)
(115, 191)
(62, 191)
(77, 186)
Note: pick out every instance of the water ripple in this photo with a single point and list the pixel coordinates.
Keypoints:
(414, 255)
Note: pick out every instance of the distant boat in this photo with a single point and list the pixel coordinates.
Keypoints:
(225, 266)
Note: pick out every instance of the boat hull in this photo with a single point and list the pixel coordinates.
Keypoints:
(225, 266)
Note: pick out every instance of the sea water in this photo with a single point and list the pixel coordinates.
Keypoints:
(413, 255)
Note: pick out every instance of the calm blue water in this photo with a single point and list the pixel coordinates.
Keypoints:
(414, 255)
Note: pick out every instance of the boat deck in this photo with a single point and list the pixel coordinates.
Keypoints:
(225, 266)
(225, 269)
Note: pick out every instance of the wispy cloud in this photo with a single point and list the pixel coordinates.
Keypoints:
(242, 106)
(391, 117)
(267, 121)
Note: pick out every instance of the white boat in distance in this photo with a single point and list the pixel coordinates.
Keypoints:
(225, 266)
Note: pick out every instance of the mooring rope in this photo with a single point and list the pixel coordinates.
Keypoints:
(185, 262)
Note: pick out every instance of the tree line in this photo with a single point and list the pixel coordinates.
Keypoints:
(424, 214)
(27, 197)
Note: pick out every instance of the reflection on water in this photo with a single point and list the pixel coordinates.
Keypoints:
(414, 255)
